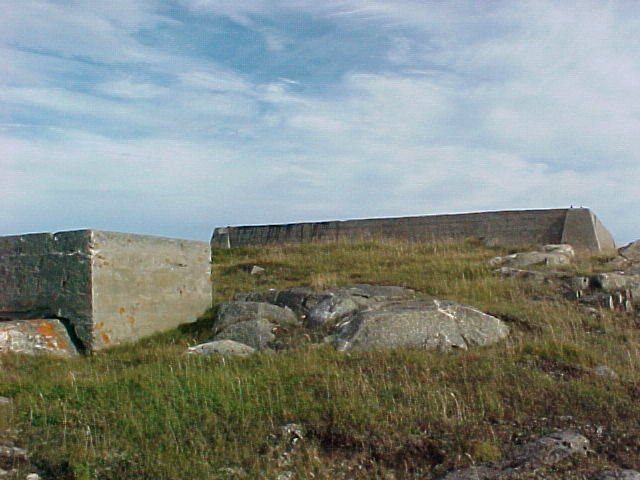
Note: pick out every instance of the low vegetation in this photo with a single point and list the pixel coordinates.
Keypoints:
(149, 411)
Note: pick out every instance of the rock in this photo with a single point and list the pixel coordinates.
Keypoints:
(255, 333)
(551, 255)
(618, 475)
(631, 251)
(37, 336)
(222, 347)
(561, 248)
(234, 312)
(11, 456)
(605, 372)
(256, 270)
(5, 401)
(330, 309)
(549, 449)
(545, 451)
(525, 274)
(614, 281)
(419, 323)
(33, 476)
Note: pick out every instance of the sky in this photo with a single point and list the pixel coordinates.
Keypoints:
(175, 117)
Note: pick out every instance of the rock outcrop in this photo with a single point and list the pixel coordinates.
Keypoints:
(428, 324)
(551, 255)
(222, 347)
(359, 316)
(545, 451)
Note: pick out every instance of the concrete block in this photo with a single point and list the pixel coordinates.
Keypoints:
(109, 288)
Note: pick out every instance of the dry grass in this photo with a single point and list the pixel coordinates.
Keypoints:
(148, 411)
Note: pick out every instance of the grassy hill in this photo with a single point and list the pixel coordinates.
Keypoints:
(149, 411)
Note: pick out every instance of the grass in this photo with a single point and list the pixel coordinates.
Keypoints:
(149, 411)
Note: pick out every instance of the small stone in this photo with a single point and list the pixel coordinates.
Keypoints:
(33, 476)
(256, 270)
(605, 372)
(618, 475)
(5, 401)
(222, 347)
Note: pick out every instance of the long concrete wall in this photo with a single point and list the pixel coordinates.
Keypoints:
(108, 288)
(579, 227)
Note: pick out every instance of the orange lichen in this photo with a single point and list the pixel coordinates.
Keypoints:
(131, 320)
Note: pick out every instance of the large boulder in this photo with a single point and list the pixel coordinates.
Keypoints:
(550, 255)
(256, 333)
(326, 307)
(36, 336)
(240, 311)
(419, 323)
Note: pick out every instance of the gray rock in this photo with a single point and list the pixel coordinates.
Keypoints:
(36, 336)
(5, 401)
(11, 456)
(418, 323)
(330, 309)
(551, 255)
(235, 312)
(562, 248)
(549, 449)
(320, 307)
(614, 281)
(545, 451)
(618, 475)
(605, 372)
(255, 333)
(631, 251)
(222, 347)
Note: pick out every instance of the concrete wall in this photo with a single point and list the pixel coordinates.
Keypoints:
(108, 288)
(518, 227)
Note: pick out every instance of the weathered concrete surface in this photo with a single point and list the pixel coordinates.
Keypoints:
(110, 287)
(36, 336)
(578, 227)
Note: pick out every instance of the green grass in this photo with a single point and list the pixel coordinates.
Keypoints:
(149, 411)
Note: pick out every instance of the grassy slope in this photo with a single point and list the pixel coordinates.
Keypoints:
(148, 411)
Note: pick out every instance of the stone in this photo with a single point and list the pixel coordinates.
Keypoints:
(631, 251)
(12, 456)
(5, 401)
(255, 333)
(605, 372)
(551, 255)
(549, 449)
(326, 306)
(437, 324)
(330, 309)
(613, 281)
(36, 336)
(239, 311)
(33, 476)
(257, 270)
(618, 475)
(563, 249)
(222, 347)
(110, 287)
(545, 451)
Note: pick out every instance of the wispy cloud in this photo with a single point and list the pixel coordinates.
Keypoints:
(173, 118)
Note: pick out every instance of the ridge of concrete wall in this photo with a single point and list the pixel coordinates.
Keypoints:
(510, 227)
(108, 287)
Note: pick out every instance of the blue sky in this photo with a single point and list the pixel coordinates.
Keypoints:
(172, 118)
